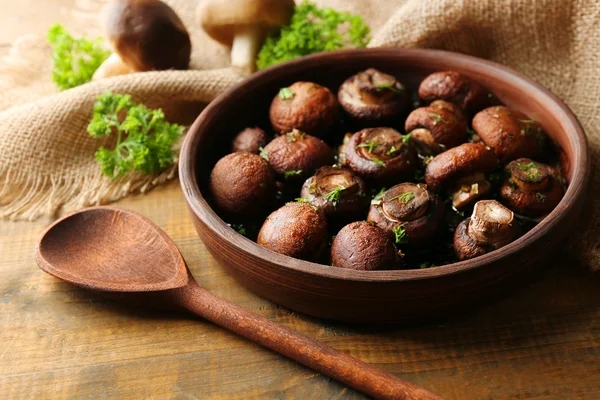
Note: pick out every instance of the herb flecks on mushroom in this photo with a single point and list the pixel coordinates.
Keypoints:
(461, 170)
(455, 88)
(372, 96)
(298, 152)
(380, 154)
(509, 132)
(305, 106)
(338, 192)
(531, 188)
(436, 127)
(364, 247)
(243, 26)
(408, 212)
(490, 227)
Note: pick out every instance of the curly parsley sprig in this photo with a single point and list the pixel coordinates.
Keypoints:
(144, 138)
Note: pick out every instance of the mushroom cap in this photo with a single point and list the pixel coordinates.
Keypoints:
(220, 19)
(323, 191)
(455, 88)
(466, 248)
(372, 96)
(297, 230)
(380, 163)
(410, 206)
(250, 140)
(311, 108)
(242, 184)
(444, 120)
(531, 188)
(509, 132)
(147, 34)
(457, 162)
(364, 247)
(297, 151)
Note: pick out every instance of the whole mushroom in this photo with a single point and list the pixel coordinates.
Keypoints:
(372, 96)
(338, 192)
(409, 213)
(531, 188)
(382, 155)
(461, 170)
(250, 140)
(364, 247)
(243, 25)
(297, 229)
(242, 184)
(455, 88)
(509, 132)
(145, 35)
(295, 156)
(490, 227)
(305, 106)
(436, 127)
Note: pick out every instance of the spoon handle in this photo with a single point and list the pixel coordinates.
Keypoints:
(315, 355)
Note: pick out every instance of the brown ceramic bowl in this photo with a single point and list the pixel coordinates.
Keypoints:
(379, 296)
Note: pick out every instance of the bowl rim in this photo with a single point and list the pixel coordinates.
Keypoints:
(579, 181)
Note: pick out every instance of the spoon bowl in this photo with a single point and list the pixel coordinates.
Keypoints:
(112, 250)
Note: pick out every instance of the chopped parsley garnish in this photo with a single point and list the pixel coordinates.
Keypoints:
(385, 85)
(377, 199)
(427, 160)
(406, 138)
(286, 93)
(391, 151)
(302, 200)
(437, 117)
(379, 162)
(404, 198)
(470, 131)
(288, 174)
(263, 153)
(425, 265)
(541, 197)
(370, 146)
(400, 234)
(334, 195)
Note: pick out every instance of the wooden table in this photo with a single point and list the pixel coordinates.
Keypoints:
(56, 341)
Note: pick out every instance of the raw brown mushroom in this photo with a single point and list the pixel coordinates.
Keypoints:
(461, 170)
(250, 140)
(436, 127)
(531, 188)
(338, 192)
(243, 25)
(409, 213)
(380, 154)
(146, 35)
(242, 184)
(455, 88)
(305, 106)
(297, 229)
(363, 247)
(372, 97)
(510, 133)
(295, 156)
(490, 227)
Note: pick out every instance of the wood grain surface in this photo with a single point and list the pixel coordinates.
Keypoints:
(57, 341)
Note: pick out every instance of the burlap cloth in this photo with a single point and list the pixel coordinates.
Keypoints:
(46, 156)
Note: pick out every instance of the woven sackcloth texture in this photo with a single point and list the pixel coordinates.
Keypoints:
(46, 156)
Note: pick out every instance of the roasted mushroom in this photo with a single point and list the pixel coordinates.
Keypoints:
(436, 127)
(242, 184)
(337, 192)
(297, 229)
(490, 227)
(456, 88)
(305, 106)
(364, 247)
(531, 188)
(408, 212)
(250, 140)
(146, 35)
(509, 132)
(243, 25)
(295, 156)
(461, 170)
(372, 97)
(380, 154)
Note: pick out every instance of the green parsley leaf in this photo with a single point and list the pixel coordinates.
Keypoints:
(144, 138)
(263, 153)
(335, 195)
(437, 117)
(541, 197)
(74, 60)
(425, 265)
(406, 138)
(404, 198)
(288, 174)
(286, 93)
(389, 86)
(377, 199)
(302, 200)
(370, 146)
(379, 162)
(392, 150)
(400, 234)
(313, 30)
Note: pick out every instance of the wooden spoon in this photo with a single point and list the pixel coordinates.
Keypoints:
(117, 251)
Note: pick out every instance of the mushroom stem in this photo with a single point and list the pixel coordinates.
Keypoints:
(491, 223)
(112, 66)
(246, 44)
